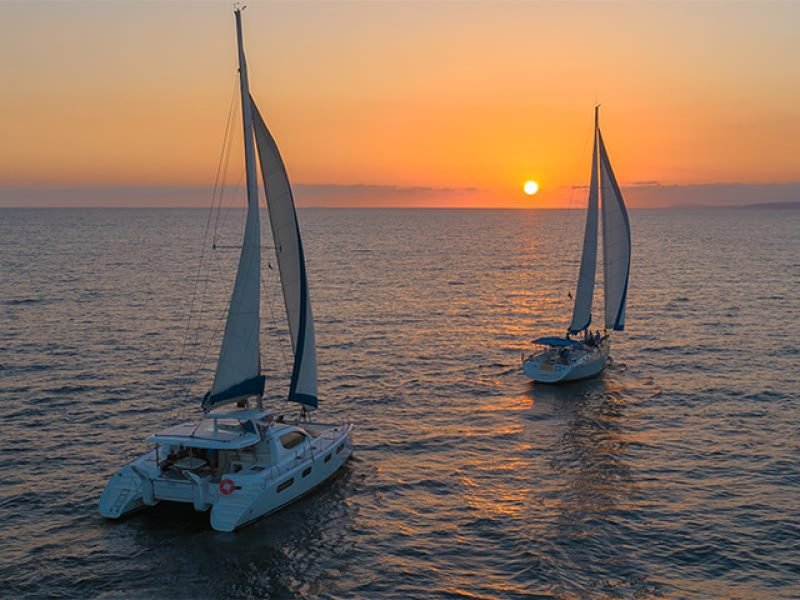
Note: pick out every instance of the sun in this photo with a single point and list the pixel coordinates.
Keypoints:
(531, 187)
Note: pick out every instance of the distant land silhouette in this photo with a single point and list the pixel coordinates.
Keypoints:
(755, 206)
(638, 194)
(713, 195)
(784, 205)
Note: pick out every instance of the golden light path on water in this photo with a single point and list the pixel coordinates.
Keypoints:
(670, 476)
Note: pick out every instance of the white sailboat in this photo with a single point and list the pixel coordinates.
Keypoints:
(580, 353)
(245, 462)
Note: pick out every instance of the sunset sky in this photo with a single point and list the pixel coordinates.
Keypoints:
(403, 103)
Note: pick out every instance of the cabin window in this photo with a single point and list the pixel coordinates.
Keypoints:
(285, 484)
(339, 449)
(292, 439)
(328, 458)
(306, 472)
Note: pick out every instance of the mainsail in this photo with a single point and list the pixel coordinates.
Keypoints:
(582, 312)
(239, 365)
(616, 244)
(291, 263)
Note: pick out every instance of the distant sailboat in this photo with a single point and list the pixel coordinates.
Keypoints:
(580, 353)
(245, 462)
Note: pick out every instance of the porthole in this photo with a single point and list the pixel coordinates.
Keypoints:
(282, 486)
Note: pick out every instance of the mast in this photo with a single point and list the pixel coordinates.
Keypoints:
(247, 119)
(238, 372)
(582, 311)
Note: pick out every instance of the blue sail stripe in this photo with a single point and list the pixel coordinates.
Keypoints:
(301, 333)
(249, 387)
(579, 329)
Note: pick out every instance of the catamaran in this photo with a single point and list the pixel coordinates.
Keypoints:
(581, 353)
(243, 461)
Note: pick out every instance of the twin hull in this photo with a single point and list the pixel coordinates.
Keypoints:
(255, 491)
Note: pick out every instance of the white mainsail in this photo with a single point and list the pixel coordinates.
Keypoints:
(239, 365)
(616, 244)
(582, 312)
(291, 263)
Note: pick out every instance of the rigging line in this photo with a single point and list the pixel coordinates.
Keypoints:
(219, 179)
(227, 159)
(195, 331)
(222, 182)
(219, 272)
(577, 236)
(215, 332)
(207, 344)
(205, 237)
(227, 208)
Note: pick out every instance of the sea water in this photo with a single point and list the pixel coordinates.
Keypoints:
(675, 474)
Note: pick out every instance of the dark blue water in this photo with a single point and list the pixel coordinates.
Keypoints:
(676, 474)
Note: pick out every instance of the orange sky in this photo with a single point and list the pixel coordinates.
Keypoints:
(446, 103)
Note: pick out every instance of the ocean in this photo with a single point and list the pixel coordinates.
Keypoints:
(675, 474)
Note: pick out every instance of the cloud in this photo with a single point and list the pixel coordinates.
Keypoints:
(367, 189)
(363, 194)
(110, 196)
(306, 194)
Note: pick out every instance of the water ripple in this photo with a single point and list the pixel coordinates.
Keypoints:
(674, 475)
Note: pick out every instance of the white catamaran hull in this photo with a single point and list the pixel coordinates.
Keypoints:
(237, 498)
(548, 366)
(246, 463)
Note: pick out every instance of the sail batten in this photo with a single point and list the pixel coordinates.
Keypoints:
(238, 371)
(582, 311)
(291, 264)
(616, 245)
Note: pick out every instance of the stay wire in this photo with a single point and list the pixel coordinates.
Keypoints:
(219, 175)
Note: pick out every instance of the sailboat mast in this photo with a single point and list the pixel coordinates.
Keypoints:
(599, 174)
(247, 120)
(239, 365)
(584, 294)
(599, 180)
(253, 219)
(598, 194)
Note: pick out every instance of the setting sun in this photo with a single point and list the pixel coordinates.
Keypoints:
(531, 187)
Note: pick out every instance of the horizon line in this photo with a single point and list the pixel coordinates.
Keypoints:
(639, 194)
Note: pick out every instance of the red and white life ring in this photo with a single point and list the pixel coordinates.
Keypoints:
(226, 486)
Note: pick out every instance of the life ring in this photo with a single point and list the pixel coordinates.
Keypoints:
(226, 486)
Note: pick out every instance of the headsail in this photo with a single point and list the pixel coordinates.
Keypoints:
(291, 263)
(582, 312)
(239, 365)
(616, 244)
